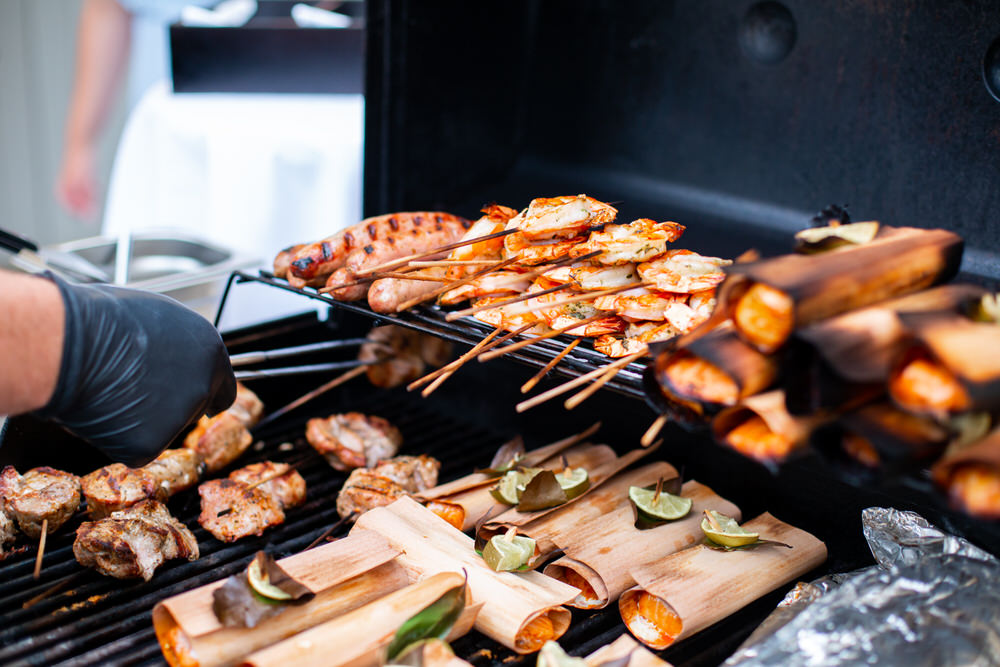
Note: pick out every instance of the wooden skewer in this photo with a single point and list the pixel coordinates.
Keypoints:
(530, 384)
(57, 587)
(444, 376)
(322, 389)
(588, 296)
(451, 317)
(513, 347)
(415, 276)
(430, 253)
(270, 478)
(425, 263)
(41, 548)
(454, 365)
(329, 531)
(589, 391)
(572, 384)
(458, 283)
(654, 430)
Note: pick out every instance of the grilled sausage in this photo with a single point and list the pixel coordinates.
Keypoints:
(414, 233)
(385, 294)
(284, 259)
(314, 262)
(343, 277)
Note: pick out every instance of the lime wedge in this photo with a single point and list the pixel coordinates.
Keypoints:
(725, 530)
(259, 582)
(573, 481)
(505, 553)
(667, 507)
(553, 655)
(510, 487)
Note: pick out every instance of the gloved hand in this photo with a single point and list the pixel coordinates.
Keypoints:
(137, 368)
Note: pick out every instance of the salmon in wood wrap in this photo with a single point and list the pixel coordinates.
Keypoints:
(880, 440)
(344, 575)
(770, 298)
(971, 477)
(761, 428)
(833, 361)
(682, 594)
(950, 365)
(602, 552)
(521, 611)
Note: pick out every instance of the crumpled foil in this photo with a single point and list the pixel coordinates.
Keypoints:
(933, 599)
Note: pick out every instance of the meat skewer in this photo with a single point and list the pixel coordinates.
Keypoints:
(42, 499)
(250, 500)
(513, 347)
(388, 480)
(402, 261)
(353, 440)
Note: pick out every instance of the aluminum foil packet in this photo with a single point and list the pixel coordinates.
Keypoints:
(933, 599)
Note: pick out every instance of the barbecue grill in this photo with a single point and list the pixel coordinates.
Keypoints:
(736, 119)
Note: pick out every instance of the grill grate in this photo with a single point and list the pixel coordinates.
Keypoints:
(469, 331)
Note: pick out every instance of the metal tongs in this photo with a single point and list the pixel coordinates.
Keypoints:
(62, 263)
(250, 358)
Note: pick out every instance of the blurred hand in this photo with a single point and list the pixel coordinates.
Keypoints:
(76, 183)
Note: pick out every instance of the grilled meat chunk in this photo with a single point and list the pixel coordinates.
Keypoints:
(353, 440)
(413, 473)
(134, 542)
(364, 490)
(116, 487)
(286, 485)
(388, 480)
(219, 440)
(176, 470)
(8, 532)
(39, 494)
(247, 407)
(234, 508)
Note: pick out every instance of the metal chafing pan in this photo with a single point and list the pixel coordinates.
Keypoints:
(189, 269)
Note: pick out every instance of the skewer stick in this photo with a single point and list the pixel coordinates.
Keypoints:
(588, 296)
(66, 582)
(426, 263)
(353, 283)
(385, 266)
(451, 317)
(654, 430)
(41, 548)
(572, 384)
(458, 283)
(444, 376)
(264, 480)
(579, 398)
(329, 531)
(454, 365)
(530, 384)
(414, 276)
(335, 382)
(513, 347)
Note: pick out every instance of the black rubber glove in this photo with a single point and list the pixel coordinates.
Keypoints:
(137, 368)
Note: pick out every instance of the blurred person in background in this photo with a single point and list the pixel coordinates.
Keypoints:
(115, 37)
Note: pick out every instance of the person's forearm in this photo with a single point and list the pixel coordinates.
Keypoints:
(101, 54)
(31, 341)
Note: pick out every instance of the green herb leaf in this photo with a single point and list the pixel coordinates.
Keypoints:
(753, 545)
(507, 458)
(542, 492)
(432, 622)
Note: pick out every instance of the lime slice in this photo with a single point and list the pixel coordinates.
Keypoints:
(725, 530)
(573, 481)
(259, 582)
(505, 553)
(553, 655)
(667, 507)
(819, 239)
(511, 485)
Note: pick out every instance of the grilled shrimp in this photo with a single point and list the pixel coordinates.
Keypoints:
(588, 277)
(639, 241)
(565, 315)
(495, 218)
(498, 283)
(640, 303)
(563, 217)
(684, 271)
(618, 346)
(509, 317)
(532, 253)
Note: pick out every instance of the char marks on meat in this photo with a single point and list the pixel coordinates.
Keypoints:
(353, 440)
(176, 470)
(116, 487)
(8, 532)
(389, 480)
(40, 494)
(219, 440)
(234, 508)
(133, 542)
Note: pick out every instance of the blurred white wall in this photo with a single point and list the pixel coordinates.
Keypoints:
(37, 45)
